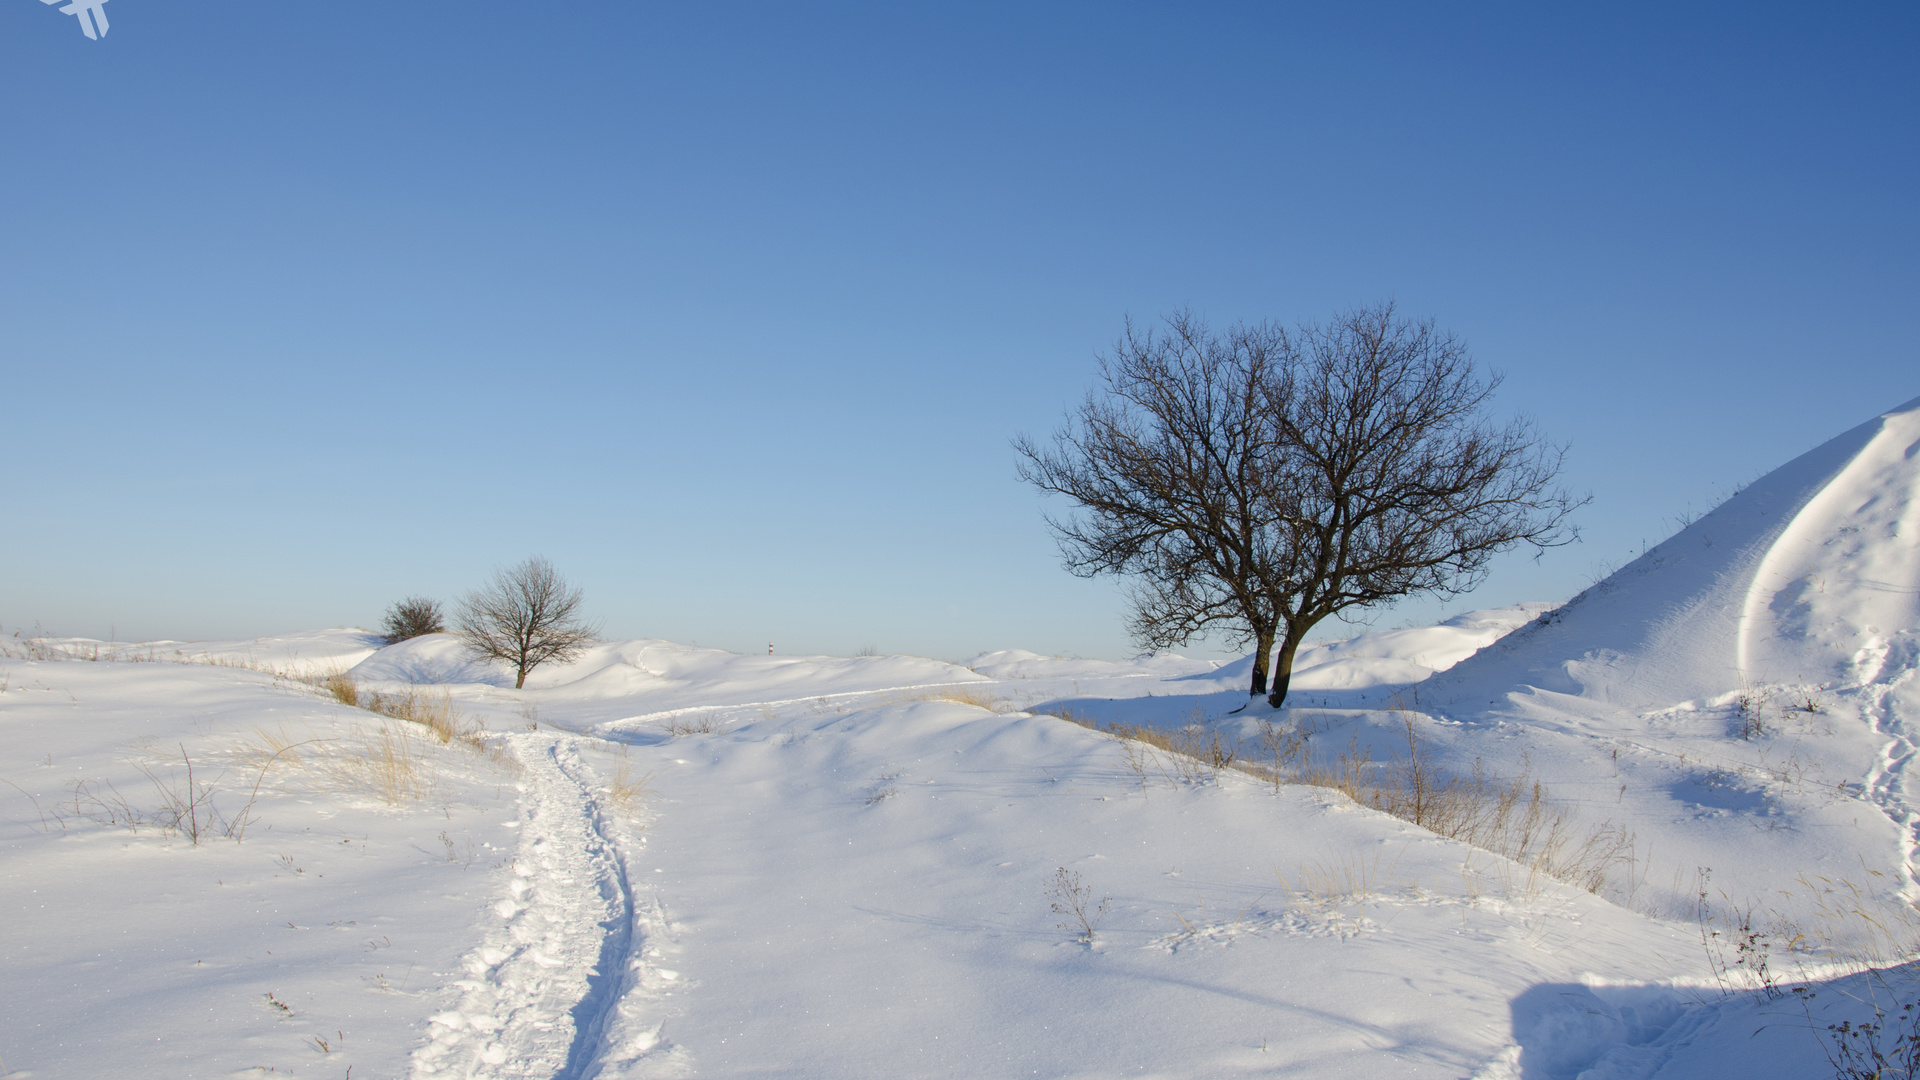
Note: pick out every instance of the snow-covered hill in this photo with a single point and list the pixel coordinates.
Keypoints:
(663, 860)
(1809, 576)
(1745, 695)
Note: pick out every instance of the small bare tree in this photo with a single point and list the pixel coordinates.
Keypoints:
(526, 616)
(1259, 481)
(411, 618)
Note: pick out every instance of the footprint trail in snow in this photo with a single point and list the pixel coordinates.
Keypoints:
(559, 988)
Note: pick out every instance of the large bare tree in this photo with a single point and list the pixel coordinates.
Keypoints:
(1257, 481)
(526, 616)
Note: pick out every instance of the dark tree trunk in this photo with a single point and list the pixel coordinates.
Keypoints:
(1283, 670)
(1262, 653)
(522, 680)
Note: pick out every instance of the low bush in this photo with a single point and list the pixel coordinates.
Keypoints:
(411, 618)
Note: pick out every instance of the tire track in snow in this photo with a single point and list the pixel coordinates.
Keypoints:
(558, 989)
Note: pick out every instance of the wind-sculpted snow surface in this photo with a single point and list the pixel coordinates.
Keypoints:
(865, 892)
(618, 680)
(1021, 664)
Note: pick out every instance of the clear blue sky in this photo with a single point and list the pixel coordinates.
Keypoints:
(730, 310)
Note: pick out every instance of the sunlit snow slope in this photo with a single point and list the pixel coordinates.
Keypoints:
(1811, 574)
(1744, 695)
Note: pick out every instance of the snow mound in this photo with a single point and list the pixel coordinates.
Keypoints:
(1811, 575)
(1377, 658)
(1021, 664)
(1389, 657)
(300, 654)
(624, 681)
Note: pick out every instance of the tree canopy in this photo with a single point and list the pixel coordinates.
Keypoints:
(1256, 481)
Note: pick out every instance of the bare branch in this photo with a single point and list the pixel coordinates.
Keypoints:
(1257, 481)
(526, 616)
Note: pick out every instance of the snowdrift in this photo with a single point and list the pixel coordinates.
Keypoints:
(1809, 575)
(299, 654)
(1743, 696)
(1394, 657)
(661, 672)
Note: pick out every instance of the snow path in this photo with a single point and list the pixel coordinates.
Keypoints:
(1887, 785)
(557, 989)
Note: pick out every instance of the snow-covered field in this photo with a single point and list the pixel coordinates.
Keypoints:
(669, 861)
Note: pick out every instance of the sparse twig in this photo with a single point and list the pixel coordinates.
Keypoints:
(1073, 901)
(238, 828)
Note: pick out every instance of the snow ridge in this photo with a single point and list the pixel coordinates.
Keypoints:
(1781, 583)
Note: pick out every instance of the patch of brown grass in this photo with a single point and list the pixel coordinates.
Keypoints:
(433, 711)
(1514, 818)
(342, 687)
(391, 761)
(977, 695)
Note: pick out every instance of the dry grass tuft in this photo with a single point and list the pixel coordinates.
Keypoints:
(1071, 716)
(1073, 901)
(342, 687)
(627, 791)
(1193, 754)
(1836, 919)
(1339, 877)
(186, 804)
(394, 761)
(388, 765)
(387, 762)
(433, 711)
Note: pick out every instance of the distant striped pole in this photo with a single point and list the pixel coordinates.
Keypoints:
(769, 648)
